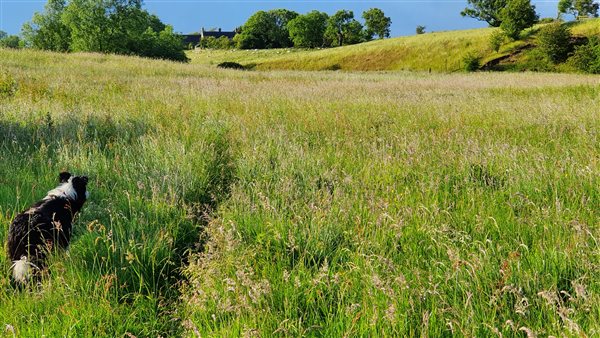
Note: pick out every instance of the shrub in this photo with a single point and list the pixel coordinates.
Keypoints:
(420, 29)
(230, 65)
(471, 62)
(8, 85)
(586, 58)
(536, 61)
(10, 41)
(496, 40)
(554, 41)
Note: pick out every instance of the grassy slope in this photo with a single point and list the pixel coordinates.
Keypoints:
(440, 51)
(363, 204)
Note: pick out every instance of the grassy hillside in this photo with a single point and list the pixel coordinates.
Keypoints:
(311, 203)
(440, 52)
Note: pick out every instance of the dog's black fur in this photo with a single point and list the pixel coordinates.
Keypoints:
(45, 225)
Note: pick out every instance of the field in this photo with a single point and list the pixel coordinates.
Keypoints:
(288, 203)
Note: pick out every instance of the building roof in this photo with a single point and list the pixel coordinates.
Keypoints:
(218, 34)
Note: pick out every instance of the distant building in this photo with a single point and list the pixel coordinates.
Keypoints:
(216, 34)
(194, 39)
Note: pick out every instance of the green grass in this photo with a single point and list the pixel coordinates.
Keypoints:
(438, 52)
(312, 203)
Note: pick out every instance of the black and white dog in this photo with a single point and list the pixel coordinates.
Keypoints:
(45, 225)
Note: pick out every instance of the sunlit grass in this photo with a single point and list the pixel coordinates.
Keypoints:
(437, 52)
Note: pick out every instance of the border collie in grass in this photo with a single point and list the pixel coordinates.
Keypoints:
(45, 225)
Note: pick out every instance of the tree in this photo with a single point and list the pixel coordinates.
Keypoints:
(586, 8)
(377, 23)
(46, 30)
(256, 32)
(578, 8)
(343, 29)
(10, 41)
(308, 30)
(516, 16)
(565, 6)
(485, 10)
(420, 29)
(266, 30)
(281, 35)
(106, 26)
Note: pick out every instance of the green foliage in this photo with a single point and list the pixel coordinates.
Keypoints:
(496, 40)
(516, 16)
(471, 62)
(281, 36)
(586, 58)
(47, 30)
(587, 8)
(554, 40)
(8, 85)
(308, 30)
(420, 29)
(377, 23)
(162, 45)
(266, 30)
(534, 60)
(485, 10)
(343, 29)
(222, 42)
(111, 26)
(566, 6)
(578, 8)
(10, 41)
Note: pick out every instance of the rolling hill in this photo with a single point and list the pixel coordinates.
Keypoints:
(438, 51)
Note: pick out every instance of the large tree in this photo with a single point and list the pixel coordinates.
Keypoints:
(266, 30)
(377, 23)
(516, 16)
(281, 35)
(46, 30)
(308, 30)
(578, 8)
(485, 10)
(106, 26)
(343, 29)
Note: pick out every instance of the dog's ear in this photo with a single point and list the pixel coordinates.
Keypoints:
(64, 176)
(84, 179)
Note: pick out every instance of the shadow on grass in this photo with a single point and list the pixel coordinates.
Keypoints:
(45, 130)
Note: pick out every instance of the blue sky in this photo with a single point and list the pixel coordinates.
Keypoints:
(190, 15)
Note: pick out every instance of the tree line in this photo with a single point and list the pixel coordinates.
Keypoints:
(282, 28)
(104, 26)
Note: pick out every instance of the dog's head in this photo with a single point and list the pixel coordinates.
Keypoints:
(70, 187)
(64, 176)
(80, 185)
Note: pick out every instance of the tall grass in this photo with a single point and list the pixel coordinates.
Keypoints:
(230, 203)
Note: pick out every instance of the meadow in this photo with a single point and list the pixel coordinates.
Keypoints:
(291, 203)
